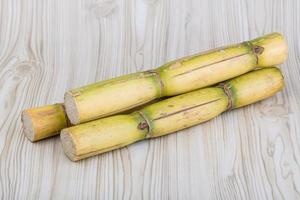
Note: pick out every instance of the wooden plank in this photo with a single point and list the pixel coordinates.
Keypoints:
(49, 46)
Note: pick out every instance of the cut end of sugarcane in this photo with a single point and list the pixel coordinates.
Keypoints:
(68, 145)
(71, 108)
(28, 126)
(43, 122)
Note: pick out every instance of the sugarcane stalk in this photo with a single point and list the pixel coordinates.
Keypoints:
(116, 95)
(169, 115)
(43, 122)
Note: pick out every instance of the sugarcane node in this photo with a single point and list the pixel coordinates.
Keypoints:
(143, 126)
(258, 50)
(226, 87)
(161, 83)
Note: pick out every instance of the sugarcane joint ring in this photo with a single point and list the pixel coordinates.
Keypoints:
(145, 124)
(161, 83)
(227, 89)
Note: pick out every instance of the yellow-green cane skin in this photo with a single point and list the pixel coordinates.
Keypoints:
(116, 95)
(221, 64)
(187, 74)
(170, 115)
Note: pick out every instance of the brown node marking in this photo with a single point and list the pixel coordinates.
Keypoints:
(258, 49)
(226, 87)
(161, 83)
(145, 124)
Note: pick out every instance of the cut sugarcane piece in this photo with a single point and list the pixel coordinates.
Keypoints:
(44, 122)
(169, 115)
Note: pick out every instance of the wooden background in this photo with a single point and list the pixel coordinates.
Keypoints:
(50, 46)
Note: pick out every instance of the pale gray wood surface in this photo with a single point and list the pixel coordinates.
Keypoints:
(49, 46)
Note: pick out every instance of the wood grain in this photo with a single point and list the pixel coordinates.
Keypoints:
(49, 46)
